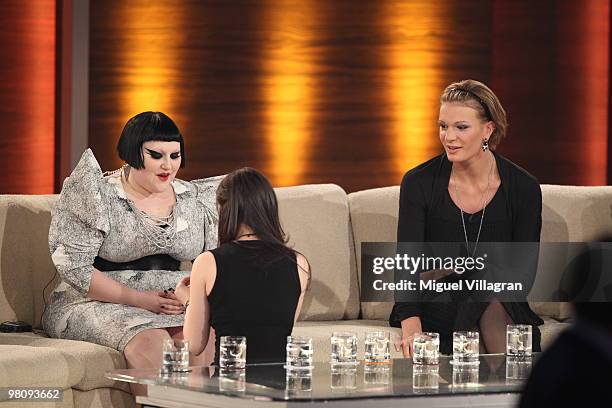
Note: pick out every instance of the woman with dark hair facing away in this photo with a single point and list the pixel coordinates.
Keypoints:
(252, 285)
(468, 194)
(117, 241)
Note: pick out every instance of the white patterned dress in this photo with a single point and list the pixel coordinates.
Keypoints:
(93, 218)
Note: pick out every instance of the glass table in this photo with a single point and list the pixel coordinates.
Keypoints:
(496, 381)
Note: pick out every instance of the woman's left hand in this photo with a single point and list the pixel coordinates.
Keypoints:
(182, 290)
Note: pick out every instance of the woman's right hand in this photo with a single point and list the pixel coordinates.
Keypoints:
(159, 302)
(410, 327)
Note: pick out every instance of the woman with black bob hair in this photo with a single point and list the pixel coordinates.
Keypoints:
(146, 127)
(252, 285)
(117, 240)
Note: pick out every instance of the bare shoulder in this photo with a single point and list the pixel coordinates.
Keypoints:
(302, 262)
(205, 264)
(303, 270)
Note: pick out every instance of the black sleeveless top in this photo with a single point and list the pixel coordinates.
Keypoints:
(255, 294)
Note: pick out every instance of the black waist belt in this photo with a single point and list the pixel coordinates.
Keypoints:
(147, 263)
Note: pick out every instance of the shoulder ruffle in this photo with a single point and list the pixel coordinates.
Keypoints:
(207, 189)
(82, 193)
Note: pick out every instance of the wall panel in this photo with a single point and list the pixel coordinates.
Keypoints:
(549, 67)
(347, 91)
(27, 96)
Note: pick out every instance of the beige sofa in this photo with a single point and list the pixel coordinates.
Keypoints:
(322, 221)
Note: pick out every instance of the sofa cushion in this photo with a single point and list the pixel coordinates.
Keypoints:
(573, 214)
(315, 217)
(374, 219)
(316, 220)
(576, 213)
(25, 262)
(23, 366)
(85, 362)
(103, 398)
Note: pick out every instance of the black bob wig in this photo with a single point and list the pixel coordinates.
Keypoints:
(147, 127)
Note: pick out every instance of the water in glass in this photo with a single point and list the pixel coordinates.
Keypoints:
(343, 348)
(465, 348)
(426, 348)
(299, 353)
(175, 356)
(518, 340)
(377, 348)
(232, 352)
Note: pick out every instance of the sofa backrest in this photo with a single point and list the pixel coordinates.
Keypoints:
(569, 213)
(315, 217)
(374, 219)
(25, 261)
(573, 214)
(576, 213)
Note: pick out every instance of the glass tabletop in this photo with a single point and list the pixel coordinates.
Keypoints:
(495, 373)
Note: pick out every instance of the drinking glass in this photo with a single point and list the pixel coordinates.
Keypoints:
(376, 374)
(425, 378)
(518, 340)
(426, 348)
(175, 356)
(232, 380)
(343, 378)
(343, 348)
(377, 348)
(465, 348)
(232, 352)
(299, 353)
(517, 368)
(465, 376)
(298, 382)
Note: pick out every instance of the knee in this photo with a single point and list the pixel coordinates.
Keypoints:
(143, 345)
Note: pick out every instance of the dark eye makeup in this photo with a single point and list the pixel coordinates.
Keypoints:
(157, 155)
(154, 154)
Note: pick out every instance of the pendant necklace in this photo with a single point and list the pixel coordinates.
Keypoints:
(245, 235)
(484, 207)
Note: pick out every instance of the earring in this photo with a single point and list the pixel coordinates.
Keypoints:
(485, 145)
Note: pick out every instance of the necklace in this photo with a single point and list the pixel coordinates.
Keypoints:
(484, 207)
(251, 234)
(160, 230)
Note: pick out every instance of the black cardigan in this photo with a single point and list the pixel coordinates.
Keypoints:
(422, 188)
